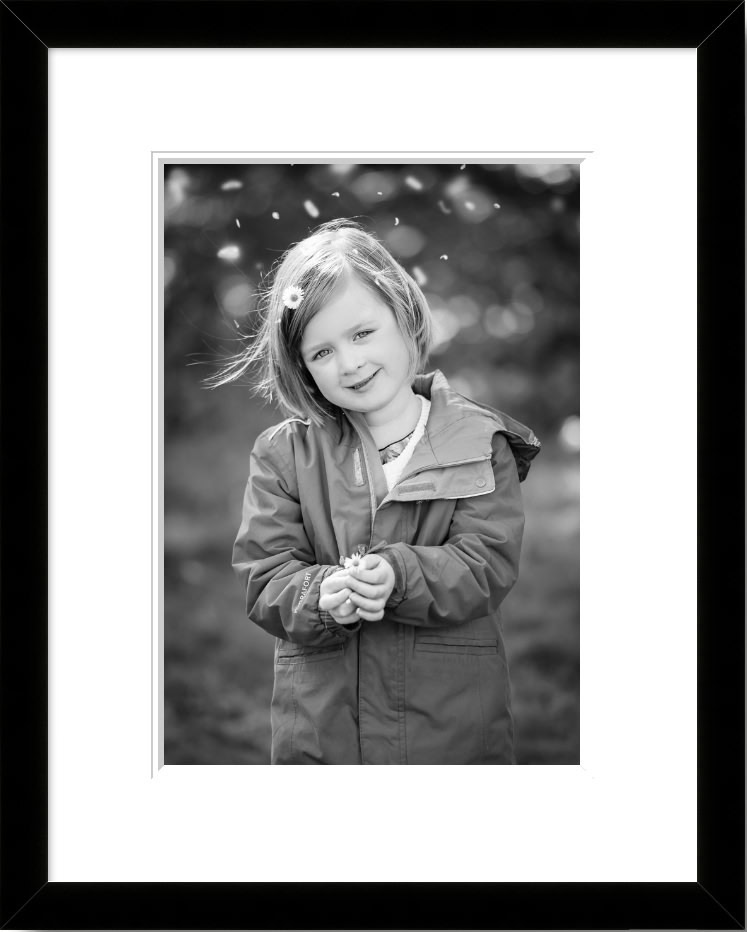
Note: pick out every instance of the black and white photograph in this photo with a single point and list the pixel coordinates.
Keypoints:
(371, 462)
(302, 304)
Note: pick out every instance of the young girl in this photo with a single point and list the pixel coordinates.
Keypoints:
(382, 522)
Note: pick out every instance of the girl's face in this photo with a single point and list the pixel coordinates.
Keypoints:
(356, 354)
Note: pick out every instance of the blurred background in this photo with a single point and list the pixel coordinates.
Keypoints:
(495, 248)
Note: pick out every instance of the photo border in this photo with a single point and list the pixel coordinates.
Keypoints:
(716, 28)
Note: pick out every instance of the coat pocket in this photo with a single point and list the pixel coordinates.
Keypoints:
(297, 653)
(451, 644)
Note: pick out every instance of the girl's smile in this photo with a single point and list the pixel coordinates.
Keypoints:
(363, 385)
(358, 358)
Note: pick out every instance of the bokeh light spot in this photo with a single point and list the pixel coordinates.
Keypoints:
(370, 186)
(549, 174)
(169, 269)
(405, 241)
(419, 275)
(229, 253)
(236, 296)
(446, 326)
(476, 207)
(465, 309)
(176, 187)
(570, 433)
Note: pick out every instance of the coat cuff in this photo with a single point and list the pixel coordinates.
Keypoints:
(329, 622)
(400, 576)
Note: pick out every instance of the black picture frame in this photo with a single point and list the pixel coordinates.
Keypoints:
(28, 28)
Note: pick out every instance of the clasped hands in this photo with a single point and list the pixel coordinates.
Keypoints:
(359, 592)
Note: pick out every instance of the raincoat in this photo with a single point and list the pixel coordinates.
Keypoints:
(428, 684)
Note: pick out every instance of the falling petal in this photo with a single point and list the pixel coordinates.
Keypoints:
(444, 256)
(335, 194)
(237, 223)
(462, 167)
(233, 185)
(396, 221)
(444, 208)
(275, 215)
(497, 206)
(229, 253)
(419, 275)
(469, 205)
(311, 209)
(415, 183)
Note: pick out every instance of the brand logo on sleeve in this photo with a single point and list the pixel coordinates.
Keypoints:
(304, 591)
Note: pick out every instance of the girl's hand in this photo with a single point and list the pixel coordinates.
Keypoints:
(334, 597)
(371, 583)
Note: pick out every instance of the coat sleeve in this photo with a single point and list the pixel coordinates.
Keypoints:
(273, 558)
(469, 575)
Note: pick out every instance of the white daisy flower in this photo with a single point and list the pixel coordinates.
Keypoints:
(292, 297)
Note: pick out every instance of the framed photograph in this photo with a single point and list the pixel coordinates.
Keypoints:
(643, 825)
(489, 246)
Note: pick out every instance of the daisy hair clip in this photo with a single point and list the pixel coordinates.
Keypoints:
(292, 297)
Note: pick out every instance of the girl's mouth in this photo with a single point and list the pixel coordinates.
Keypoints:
(359, 385)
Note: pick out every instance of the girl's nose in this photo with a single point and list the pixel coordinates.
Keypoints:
(350, 361)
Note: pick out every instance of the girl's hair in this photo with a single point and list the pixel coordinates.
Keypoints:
(315, 265)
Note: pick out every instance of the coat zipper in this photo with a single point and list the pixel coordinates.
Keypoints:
(372, 502)
(371, 491)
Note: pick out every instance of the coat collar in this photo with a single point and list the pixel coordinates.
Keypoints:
(458, 430)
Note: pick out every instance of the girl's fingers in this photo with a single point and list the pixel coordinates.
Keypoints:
(372, 576)
(368, 605)
(336, 581)
(369, 616)
(364, 588)
(346, 614)
(334, 599)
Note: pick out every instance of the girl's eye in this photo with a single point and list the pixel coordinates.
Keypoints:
(323, 352)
